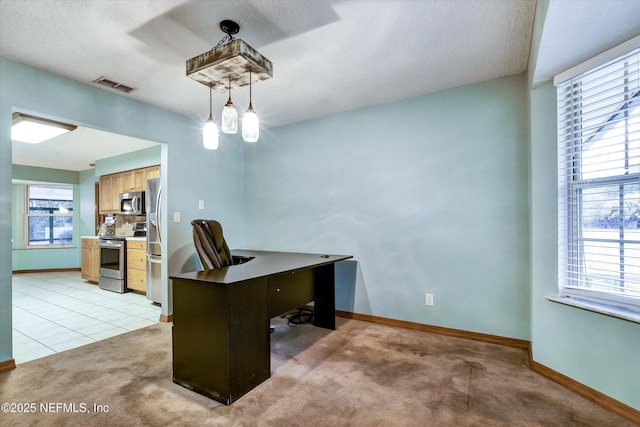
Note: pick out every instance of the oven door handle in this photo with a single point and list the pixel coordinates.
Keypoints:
(110, 245)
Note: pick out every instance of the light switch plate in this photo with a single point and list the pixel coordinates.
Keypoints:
(176, 217)
(200, 204)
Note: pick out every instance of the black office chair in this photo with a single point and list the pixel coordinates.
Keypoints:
(212, 249)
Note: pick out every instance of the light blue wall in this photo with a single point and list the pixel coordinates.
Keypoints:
(599, 351)
(596, 350)
(189, 173)
(133, 160)
(429, 194)
(30, 173)
(87, 193)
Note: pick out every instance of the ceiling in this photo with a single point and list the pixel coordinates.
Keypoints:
(328, 56)
(76, 150)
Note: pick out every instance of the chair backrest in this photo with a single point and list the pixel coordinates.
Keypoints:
(212, 249)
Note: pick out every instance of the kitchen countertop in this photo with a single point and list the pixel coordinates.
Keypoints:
(141, 238)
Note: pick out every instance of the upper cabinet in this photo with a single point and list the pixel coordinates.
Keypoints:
(127, 183)
(151, 172)
(106, 201)
(136, 180)
(123, 182)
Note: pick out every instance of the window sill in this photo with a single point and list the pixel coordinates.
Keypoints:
(48, 247)
(598, 308)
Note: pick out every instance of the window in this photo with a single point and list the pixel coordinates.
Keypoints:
(49, 215)
(599, 185)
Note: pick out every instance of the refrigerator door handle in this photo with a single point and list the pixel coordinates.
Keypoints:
(158, 213)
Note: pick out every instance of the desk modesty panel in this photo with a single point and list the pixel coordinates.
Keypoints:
(221, 340)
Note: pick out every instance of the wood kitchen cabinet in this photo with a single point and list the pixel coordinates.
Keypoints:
(116, 189)
(133, 180)
(123, 182)
(127, 182)
(110, 189)
(106, 204)
(139, 180)
(90, 269)
(150, 173)
(137, 265)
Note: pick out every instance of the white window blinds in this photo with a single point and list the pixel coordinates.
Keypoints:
(599, 184)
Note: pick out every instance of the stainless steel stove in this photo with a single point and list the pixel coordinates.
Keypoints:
(113, 267)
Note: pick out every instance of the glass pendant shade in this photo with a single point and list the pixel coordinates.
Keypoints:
(229, 115)
(210, 134)
(210, 129)
(250, 125)
(229, 118)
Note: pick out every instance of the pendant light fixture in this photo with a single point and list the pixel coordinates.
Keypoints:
(210, 129)
(250, 123)
(229, 62)
(229, 115)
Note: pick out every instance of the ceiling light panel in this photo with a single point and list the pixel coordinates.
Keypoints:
(34, 130)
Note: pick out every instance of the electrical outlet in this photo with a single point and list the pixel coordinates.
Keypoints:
(200, 204)
(176, 217)
(428, 299)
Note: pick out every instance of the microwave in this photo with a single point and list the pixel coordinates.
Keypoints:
(131, 203)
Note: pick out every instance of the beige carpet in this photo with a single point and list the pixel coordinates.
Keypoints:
(362, 374)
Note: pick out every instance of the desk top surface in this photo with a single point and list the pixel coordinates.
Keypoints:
(265, 263)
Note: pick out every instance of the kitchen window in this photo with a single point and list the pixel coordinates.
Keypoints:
(599, 188)
(49, 215)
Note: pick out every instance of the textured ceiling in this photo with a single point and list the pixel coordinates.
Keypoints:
(328, 56)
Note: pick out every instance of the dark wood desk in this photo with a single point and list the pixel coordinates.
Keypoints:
(221, 340)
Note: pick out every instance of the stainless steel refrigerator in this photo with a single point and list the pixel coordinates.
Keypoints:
(154, 249)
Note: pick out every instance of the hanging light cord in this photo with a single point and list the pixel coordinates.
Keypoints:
(250, 87)
(210, 102)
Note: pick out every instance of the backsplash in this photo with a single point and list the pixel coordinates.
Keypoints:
(124, 224)
(120, 225)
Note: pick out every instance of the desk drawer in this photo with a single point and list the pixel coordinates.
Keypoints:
(290, 290)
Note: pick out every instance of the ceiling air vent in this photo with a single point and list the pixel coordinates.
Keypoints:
(102, 80)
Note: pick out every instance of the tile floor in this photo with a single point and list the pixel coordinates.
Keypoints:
(53, 312)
